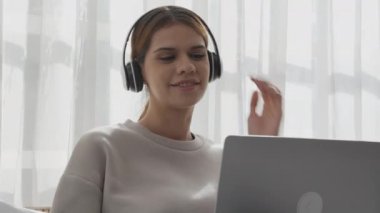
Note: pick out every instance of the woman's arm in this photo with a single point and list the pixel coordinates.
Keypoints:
(77, 195)
(81, 186)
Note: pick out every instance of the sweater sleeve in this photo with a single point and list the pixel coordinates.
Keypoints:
(80, 189)
(76, 195)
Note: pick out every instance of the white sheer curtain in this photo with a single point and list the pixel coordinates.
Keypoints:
(61, 61)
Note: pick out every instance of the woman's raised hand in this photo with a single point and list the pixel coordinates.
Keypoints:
(268, 123)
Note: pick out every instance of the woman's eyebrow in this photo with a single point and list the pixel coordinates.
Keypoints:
(198, 47)
(173, 49)
(165, 49)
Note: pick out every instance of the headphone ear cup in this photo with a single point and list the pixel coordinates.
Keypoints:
(215, 66)
(134, 78)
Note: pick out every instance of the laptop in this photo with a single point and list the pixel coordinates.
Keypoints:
(297, 175)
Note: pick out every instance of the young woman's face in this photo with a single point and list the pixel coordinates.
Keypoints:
(176, 67)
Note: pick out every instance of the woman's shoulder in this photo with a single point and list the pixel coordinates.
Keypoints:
(107, 133)
(95, 148)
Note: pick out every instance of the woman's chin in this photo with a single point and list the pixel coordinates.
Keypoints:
(184, 103)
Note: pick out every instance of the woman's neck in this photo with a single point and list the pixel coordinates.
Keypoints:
(170, 123)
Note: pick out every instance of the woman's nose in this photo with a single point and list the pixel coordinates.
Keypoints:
(186, 65)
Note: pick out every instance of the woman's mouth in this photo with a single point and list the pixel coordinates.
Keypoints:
(186, 84)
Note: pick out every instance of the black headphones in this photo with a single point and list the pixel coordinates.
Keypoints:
(132, 76)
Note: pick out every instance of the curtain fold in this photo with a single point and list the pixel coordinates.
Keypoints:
(61, 63)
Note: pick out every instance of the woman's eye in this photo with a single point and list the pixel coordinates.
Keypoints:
(198, 55)
(167, 58)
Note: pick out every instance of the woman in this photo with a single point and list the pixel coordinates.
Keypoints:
(157, 164)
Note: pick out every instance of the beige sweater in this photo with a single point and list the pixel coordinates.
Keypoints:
(127, 168)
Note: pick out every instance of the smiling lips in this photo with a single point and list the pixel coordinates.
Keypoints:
(186, 84)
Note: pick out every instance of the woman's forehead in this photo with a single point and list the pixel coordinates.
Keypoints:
(175, 35)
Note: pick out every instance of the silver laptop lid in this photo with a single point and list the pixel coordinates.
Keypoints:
(293, 175)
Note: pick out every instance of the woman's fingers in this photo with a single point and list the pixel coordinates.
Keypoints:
(268, 90)
(266, 87)
(254, 100)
